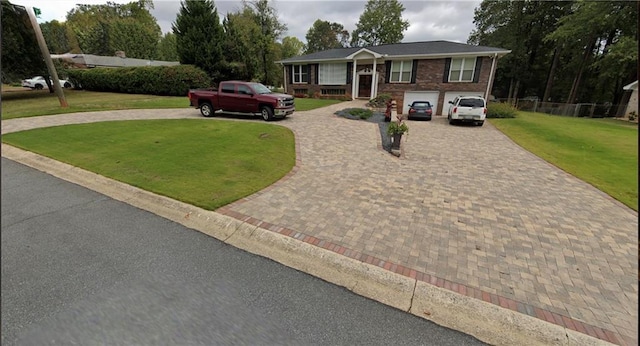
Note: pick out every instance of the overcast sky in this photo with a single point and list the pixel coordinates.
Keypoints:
(428, 20)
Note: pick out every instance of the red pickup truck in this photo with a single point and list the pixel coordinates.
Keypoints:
(236, 97)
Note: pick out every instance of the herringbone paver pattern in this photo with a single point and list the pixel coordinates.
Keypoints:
(463, 204)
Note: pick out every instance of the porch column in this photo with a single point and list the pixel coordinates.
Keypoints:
(353, 80)
(490, 81)
(374, 79)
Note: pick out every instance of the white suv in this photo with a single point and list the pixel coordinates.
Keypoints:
(471, 109)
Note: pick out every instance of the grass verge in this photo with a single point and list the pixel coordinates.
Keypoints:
(20, 103)
(201, 162)
(602, 152)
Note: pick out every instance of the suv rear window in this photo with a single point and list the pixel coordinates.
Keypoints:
(471, 103)
(421, 104)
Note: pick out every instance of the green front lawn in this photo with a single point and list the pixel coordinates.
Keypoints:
(306, 104)
(201, 162)
(28, 103)
(602, 152)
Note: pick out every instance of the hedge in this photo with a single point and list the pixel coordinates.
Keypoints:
(501, 110)
(151, 80)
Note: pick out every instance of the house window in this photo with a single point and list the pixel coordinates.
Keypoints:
(462, 69)
(401, 71)
(300, 74)
(332, 74)
(333, 91)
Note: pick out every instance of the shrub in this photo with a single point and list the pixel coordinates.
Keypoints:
(152, 80)
(380, 101)
(501, 110)
(361, 113)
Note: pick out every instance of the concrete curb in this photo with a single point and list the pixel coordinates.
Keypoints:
(487, 322)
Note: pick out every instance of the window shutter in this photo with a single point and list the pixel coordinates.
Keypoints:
(349, 72)
(476, 72)
(447, 66)
(290, 74)
(308, 72)
(317, 70)
(414, 70)
(387, 72)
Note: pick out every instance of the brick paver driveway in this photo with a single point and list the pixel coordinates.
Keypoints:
(463, 204)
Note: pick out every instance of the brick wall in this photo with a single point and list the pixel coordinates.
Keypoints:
(429, 77)
(311, 87)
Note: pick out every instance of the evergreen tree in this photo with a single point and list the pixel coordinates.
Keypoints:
(199, 36)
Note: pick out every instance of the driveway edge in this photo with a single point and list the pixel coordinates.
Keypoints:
(487, 322)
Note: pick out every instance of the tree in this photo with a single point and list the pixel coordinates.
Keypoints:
(18, 36)
(323, 35)
(167, 50)
(291, 47)
(267, 19)
(241, 55)
(591, 32)
(521, 27)
(380, 23)
(199, 36)
(105, 29)
(59, 37)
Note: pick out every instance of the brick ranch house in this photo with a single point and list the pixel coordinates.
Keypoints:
(435, 71)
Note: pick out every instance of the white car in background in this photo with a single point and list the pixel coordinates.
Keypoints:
(38, 83)
(472, 109)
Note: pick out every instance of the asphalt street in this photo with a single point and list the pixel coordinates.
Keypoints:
(81, 268)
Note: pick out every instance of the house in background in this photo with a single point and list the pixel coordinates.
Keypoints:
(119, 60)
(435, 71)
(632, 106)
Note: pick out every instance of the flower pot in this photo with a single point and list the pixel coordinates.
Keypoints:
(397, 138)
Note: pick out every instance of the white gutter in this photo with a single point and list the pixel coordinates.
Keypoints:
(490, 81)
(410, 56)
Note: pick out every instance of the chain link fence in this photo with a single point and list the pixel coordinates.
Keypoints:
(592, 110)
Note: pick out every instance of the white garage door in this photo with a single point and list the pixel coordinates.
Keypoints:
(410, 96)
(450, 95)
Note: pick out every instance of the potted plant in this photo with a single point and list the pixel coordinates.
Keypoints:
(395, 131)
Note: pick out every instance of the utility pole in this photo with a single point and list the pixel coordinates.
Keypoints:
(47, 57)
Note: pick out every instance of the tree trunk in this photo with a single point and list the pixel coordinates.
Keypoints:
(576, 81)
(510, 91)
(516, 89)
(552, 71)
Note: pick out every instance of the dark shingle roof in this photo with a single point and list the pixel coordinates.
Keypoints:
(401, 49)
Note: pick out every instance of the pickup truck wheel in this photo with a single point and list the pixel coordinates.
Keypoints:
(267, 113)
(39, 87)
(206, 110)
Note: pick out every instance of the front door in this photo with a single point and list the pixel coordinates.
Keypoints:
(364, 85)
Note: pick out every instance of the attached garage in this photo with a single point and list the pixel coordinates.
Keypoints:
(450, 95)
(410, 96)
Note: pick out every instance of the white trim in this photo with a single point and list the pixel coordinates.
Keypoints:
(374, 78)
(406, 57)
(353, 79)
(364, 72)
(631, 86)
(490, 81)
(364, 50)
(284, 77)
